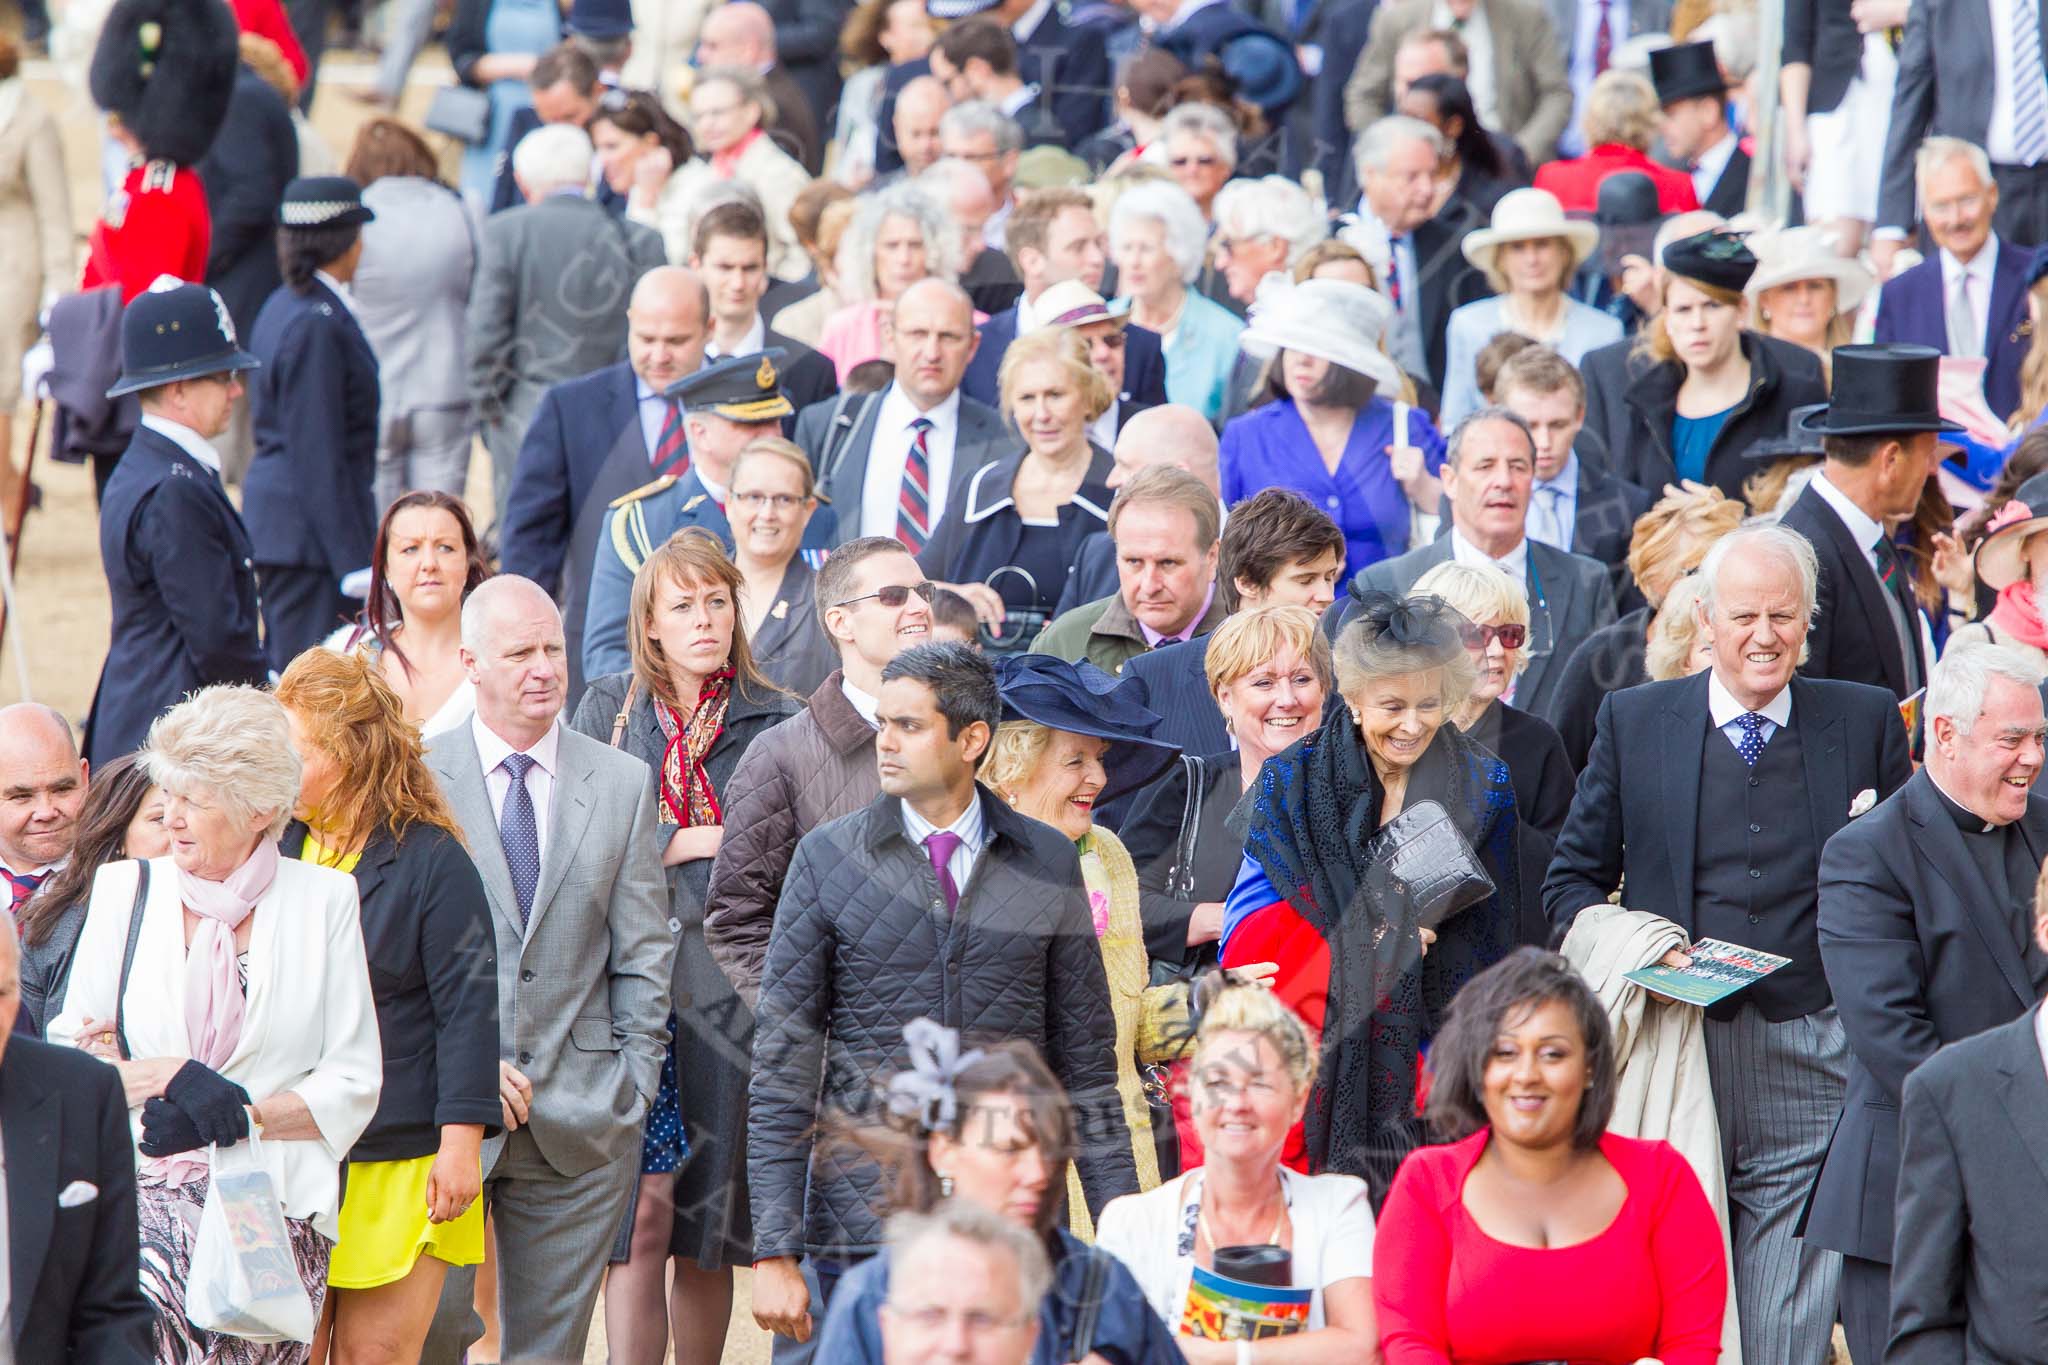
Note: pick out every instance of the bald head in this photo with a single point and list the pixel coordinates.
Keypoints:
(667, 325)
(919, 107)
(498, 598)
(515, 657)
(931, 338)
(739, 33)
(1170, 434)
(42, 785)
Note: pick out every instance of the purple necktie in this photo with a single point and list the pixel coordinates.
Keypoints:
(940, 847)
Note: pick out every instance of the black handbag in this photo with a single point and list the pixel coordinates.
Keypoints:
(1422, 855)
(462, 112)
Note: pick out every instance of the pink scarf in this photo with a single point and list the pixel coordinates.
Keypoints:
(2018, 614)
(214, 999)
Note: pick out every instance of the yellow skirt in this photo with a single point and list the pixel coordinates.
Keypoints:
(384, 1226)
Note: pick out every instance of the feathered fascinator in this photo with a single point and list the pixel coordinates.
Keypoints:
(924, 1095)
(1427, 623)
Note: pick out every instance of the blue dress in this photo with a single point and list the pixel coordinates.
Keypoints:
(1692, 441)
(1270, 447)
(513, 26)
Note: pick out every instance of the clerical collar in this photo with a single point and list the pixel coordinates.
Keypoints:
(1967, 820)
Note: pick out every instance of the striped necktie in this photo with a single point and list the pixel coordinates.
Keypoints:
(2029, 86)
(21, 887)
(914, 503)
(671, 451)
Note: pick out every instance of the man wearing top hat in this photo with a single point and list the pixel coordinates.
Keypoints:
(314, 406)
(1696, 131)
(725, 406)
(1878, 441)
(179, 567)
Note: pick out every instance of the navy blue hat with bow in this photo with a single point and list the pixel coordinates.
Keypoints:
(1083, 700)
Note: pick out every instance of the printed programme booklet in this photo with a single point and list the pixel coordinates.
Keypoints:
(1718, 970)
(1222, 1309)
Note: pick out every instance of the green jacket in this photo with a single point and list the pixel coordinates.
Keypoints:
(1106, 634)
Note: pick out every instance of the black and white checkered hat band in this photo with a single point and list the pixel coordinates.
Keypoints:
(314, 212)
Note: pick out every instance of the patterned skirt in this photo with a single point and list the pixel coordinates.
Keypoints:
(170, 1229)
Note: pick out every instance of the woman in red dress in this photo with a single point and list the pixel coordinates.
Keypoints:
(1536, 1234)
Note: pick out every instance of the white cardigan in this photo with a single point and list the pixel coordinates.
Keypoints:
(310, 1025)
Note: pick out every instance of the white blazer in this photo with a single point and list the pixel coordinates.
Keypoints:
(310, 1025)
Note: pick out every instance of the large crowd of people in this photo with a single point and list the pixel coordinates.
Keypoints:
(1123, 682)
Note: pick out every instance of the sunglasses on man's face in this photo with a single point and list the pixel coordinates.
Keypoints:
(895, 595)
(1478, 637)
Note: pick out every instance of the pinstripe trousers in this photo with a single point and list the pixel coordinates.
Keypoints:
(1778, 1090)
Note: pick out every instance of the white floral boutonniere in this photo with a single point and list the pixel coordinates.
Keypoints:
(781, 613)
(1865, 799)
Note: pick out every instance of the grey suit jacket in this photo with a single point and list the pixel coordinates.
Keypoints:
(549, 304)
(1570, 597)
(837, 435)
(1944, 90)
(1532, 91)
(584, 990)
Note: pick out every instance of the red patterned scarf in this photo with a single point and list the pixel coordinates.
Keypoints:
(686, 795)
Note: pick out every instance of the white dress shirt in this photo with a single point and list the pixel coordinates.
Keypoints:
(890, 451)
(653, 410)
(341, 292)
(1554, 506)
(1017, 99)
(756, 339)
(186, 439)
(1727, 713)
(1708, 165)
(863, 703)
(1479, 57)
(1976, 277)
(1867, 532)
(971, 829)
(491, 750)
(1515, 563)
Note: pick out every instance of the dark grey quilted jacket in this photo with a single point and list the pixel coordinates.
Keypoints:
(863, 945)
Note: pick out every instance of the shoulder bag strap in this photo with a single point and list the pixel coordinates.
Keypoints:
(1181, 884)
(625, 709)
(837, 431)
(1088, 1308)
(128, 957)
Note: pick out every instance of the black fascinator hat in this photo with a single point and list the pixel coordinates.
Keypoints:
(1427, 625)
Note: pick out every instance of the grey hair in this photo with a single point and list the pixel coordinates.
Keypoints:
(948, 176)
(960, 1220)
(751, 87)
(1936, 152)
(1455, 446)
(1361, 658)
(552, 157)
(1959, 680)
(1272, 207)
(1196, 119)
(1377, 143)
(857, 247)
(232, 743)
(1765, 538)
(979, 116)
(476, 608)
(1179, 218)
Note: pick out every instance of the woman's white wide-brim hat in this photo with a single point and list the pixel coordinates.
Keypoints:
(1342, 322)
(1529, 216)
(1790, 255)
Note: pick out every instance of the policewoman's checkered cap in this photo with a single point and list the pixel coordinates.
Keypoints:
(318, 201)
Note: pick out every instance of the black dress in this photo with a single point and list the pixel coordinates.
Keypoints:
(1543, 780)
(715, 1031)
(1608, 660)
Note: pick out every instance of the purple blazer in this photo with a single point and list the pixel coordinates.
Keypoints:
(1912, 308)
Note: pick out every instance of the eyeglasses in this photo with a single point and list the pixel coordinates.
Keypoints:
(781, 502)
(1113, 338)
(895, 595)
(1478, 637)
(1227, 245)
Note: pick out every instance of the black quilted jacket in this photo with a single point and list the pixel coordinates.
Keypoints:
(862, 945)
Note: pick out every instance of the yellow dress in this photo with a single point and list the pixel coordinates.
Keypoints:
(1150, 1020)
(384, 1223)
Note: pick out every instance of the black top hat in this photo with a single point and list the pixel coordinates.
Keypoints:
(601, 19)
(741, 388)
(1627, 199)
(1686, 71)
(1882, 389)
(179, 331)
(318, 201)
(1082, 699)
(1718, 258)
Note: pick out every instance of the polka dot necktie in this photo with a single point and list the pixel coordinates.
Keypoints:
(520, 834)
(1751, 746)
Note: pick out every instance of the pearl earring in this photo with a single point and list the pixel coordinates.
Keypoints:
(945, 1187)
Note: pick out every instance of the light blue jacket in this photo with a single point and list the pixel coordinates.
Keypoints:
(1201, 354)
(1472, 326)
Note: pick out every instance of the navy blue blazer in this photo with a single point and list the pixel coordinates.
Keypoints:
(307, 495)
(1144, 364)
(572, 436)
(1070, 67)
(1913, 308)
(1173, 681)
(182, 577)
(980, 530)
